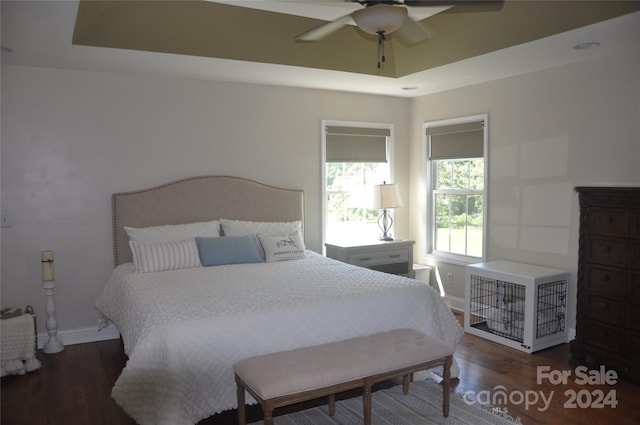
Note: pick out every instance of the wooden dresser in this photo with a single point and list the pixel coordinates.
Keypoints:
(608, 307)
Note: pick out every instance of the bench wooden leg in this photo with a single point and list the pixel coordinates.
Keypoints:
(268, 407)
(405, 384)
(366, 400)
(240, 394)
(332, 404)
(446, 385)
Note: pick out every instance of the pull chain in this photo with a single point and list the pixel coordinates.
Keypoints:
(381, 57)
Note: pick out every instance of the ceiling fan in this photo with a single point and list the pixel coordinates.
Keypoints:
(382, 17)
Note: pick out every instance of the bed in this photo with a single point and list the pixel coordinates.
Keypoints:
(183, 325)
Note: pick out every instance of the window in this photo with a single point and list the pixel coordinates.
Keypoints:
(458, 205)
(356, 158)
(457, 166)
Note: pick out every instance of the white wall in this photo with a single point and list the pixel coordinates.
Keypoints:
(71, 139)
(550, 131)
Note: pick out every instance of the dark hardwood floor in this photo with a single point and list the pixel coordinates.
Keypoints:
(73, 387)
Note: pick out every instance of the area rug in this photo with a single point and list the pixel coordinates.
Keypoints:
(422, 406)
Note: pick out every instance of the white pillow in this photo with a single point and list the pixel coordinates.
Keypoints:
(283, 247)
(244, 228)
(173, 232)
(158, 257)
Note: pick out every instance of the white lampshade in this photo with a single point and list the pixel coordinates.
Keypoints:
(386, 196)
(380, 18)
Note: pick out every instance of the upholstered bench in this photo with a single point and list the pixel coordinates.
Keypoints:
(287, 377)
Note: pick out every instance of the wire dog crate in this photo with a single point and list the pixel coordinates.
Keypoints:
(518, 305)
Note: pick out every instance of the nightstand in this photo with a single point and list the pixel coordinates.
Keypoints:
(395, 257)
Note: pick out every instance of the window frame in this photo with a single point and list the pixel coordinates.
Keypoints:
(429, 212)
(323, 158)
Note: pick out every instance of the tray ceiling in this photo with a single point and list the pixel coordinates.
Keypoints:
(252, 41)
(225, 30)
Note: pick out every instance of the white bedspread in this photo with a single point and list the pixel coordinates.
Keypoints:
(184, 329)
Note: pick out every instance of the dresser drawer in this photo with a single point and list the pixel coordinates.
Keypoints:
(367, 259)
(605, 336)
(608, 222)
(606, 310)
(608, 251)
(634, 287)
(632, 345)
(633, 316)
(607, 281)
(634, 255)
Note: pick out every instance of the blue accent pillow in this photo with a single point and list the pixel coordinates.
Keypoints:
(228, 250)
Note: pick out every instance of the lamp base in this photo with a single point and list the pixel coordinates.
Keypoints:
(385, 222)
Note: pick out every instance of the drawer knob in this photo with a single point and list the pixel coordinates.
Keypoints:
(394, 256)
(365, 258)
(606, 278)
(604, 306)
(606, 248)
(609, 219)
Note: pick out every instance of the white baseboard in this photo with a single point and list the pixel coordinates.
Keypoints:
(81, 336)
(455, 303)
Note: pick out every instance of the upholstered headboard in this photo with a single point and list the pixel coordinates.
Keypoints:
(200, 199)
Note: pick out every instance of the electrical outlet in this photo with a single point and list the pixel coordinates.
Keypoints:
(449, 278)
(103, 322)
(4, 218)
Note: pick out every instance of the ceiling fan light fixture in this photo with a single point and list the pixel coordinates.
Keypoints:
(379, 18)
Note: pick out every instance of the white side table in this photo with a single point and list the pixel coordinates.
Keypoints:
(395, 257)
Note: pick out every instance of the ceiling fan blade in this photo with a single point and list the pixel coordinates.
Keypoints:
(464, 6)
(324, 30)
(412, 31)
